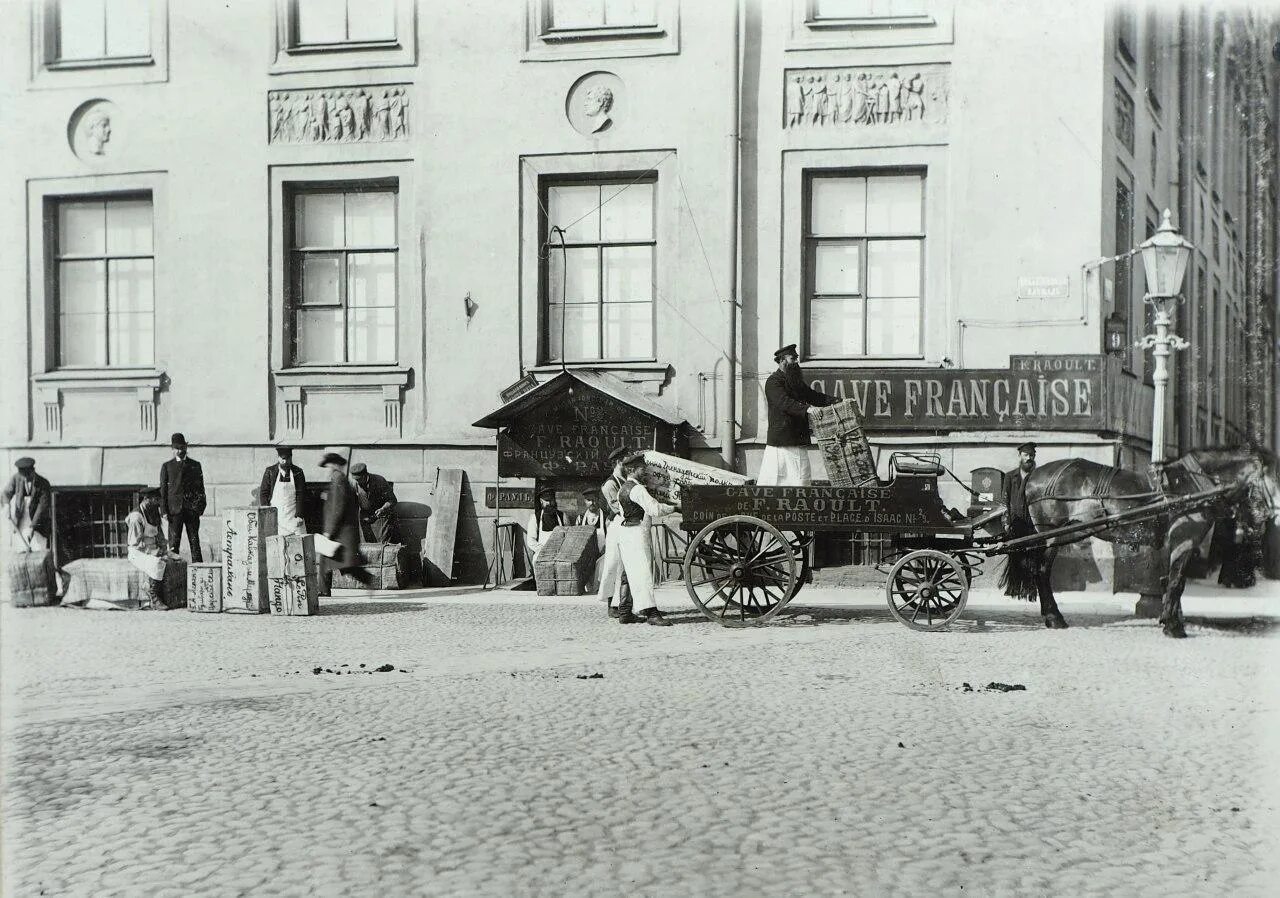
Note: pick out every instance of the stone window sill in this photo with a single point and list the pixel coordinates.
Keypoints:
(345, 46)
(872, 22)
(552, 35)
(100, 378)
(343, 375)
(107, 62)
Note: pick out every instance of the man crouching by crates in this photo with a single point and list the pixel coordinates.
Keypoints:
(786, 451)
(633, 543)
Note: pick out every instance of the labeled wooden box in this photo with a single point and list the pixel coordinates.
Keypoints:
(244, 559)
(204, 587)
(291, 556)
(665, 475)
(567, 561)
(295, 596)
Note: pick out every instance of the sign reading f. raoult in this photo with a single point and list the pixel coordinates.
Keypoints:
(1061, 392)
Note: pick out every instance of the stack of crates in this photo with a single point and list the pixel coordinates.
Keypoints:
(567, 561)
(845, 450)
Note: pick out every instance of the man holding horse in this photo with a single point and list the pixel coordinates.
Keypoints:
(1019, 580)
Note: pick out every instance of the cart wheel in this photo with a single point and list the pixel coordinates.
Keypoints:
(740, 571)
(927, 589)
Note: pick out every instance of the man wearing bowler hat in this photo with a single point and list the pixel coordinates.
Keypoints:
(786, 451)
(182, 497)
(28, 500)
(284, 487)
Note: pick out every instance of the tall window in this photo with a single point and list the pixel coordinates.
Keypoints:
(580, 14)
(342, 296)
(324, 22)
(864, 264)
(105, 292)
(1124, 282)
(599, 293)
(1154, 49)
(1126, 29)
(102, 29)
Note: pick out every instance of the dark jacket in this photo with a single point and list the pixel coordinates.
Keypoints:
(182, 487)
(377, 493)
(1015, 503)
(342, 519)
(789, 399)
(41, 502)
(269, 485)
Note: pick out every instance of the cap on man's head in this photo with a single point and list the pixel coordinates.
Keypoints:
(789, 349)
(546, 491)
(149, 492)
(284, 451)
(178, 441)
(359, 468)
(619, 454)
(1027, 447)
(26, 463)
(332, 458)
(634, 461)
(592, 491)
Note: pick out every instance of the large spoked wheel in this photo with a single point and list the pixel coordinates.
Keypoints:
(740, 571)
(927, 589)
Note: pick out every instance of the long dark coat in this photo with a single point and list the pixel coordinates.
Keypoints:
(1018, 579)
(342, 521)
(182, 487)
(789, 398)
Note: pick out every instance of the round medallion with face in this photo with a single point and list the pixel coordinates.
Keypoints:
(593, 102)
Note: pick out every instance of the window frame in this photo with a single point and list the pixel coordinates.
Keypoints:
(808, 258)
(295, 44)
(813, 20)
(545, 184)
(288, 55)
(53, 205)
(294, 253)
(49, 71)
(545, 42)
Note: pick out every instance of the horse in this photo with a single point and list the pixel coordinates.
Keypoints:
(1061, 493)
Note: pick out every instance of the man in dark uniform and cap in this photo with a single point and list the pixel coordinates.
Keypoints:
(1019, 579)
(182, 498)
(377, 502)
(786, 453)
(28, 500)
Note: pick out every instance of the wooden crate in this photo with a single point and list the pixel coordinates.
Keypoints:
(295, 596)
(29, 579)
(291, 556)
(244, 559)
(666, 474)
(204, 587)
(845, 450)
(567, 561)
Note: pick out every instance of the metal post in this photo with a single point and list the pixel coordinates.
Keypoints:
(1160, 378)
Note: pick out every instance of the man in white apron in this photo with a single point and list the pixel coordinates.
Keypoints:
(613, 582)
(638, 508)
(28, 498)
(284, 488)
(147, 549)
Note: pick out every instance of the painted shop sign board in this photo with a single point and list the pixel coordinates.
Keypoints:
(910, 505)
(1044, 288)
(508, 497)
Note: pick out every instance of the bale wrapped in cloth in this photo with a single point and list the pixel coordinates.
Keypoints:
(844, 446)
(665, 475)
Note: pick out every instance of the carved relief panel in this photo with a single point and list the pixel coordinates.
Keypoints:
(367, 114)
(867, 96)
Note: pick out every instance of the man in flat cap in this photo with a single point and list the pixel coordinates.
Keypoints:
(786, 452)
(613, 579)
(182, 498)
(341, 525)
(1018, 579)
(377, 502)
(28, 501)
(284, 488)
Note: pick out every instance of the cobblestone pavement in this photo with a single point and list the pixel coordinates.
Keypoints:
(835, 752)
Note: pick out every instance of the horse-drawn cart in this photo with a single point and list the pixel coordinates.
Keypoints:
(744, 560)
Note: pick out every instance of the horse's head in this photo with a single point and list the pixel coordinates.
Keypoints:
(1255, 471)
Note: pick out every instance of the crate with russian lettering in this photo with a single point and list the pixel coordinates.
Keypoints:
(292, 575)
(204, 587)
(244, 559)
(845, 450)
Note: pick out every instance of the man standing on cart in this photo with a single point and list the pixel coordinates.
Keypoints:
(786, 452)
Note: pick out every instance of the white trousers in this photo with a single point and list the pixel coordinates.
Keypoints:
(609, 567)
(637, 561)
(785, 466)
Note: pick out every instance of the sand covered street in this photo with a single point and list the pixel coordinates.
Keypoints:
(528, 746)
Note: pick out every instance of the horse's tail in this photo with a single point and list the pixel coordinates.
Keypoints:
(1018, 580)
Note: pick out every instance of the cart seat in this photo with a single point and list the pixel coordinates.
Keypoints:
(915, 465)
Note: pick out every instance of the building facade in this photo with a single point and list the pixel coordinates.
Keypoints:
(339, 224)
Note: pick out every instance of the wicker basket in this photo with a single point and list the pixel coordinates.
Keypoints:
(844, 446)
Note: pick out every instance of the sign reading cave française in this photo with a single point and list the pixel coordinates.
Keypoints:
(908, 505)
(1059, 392)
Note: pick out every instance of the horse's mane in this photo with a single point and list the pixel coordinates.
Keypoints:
(1268, 458)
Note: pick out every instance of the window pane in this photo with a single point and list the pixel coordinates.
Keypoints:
(319, 336)
(581, 332)
(836, 268)
(893, 268)
(82, 287)
(838, 207)
(894, 205)
(319, 220)
(371, 335)
(129, 227)
(128, 28)
(583, 282)
(131, 338)
(893, 326)
(628, 331)
(627, 213)
(129, 285)
(80, 34)
(855, 9)
(619, 13)
(577, 13)
(82, 339)
(628, 274)
(321, 276)
(372, 20)
(835, 327)
(371, 219)
(82, 229)
(322, 21)
(568, 204)
(371, 280)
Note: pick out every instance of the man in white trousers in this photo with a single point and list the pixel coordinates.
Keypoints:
(786, 451)
(613, 582)
(638, 507)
